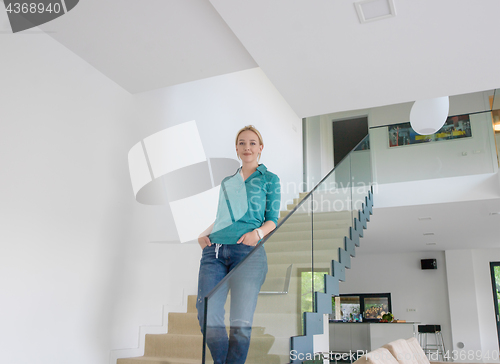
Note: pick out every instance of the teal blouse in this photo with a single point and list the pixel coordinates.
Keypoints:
(246, 205)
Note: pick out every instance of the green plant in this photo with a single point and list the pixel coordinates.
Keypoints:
(388, 317)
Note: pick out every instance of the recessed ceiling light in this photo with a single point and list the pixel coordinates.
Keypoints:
(430, 244)
(494, 213)
(371, 10)
(428, 234)
(424, 218)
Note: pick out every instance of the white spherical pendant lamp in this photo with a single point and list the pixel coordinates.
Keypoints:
(428, 116)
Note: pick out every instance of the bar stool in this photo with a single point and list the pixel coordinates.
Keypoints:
(434, 347)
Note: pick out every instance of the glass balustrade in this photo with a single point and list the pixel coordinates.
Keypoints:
(299, 253)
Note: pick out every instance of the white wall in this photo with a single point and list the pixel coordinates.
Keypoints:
(410, 286)
(467, 156)
(434, 160)
(221, 106)
(462, 293)
(409, 163)
(400, 113)
(471, 301)
(313, 152)
(78, 272)
(66, 212)
(458, 295)
(497, 142)
(415, 162)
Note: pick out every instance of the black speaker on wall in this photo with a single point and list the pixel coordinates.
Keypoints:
(428, 264)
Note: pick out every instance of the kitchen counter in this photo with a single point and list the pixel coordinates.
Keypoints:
(367, 336)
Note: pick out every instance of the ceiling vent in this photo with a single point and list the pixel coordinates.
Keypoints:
(371, 10)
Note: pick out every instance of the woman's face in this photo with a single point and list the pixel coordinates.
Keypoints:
(248, 146)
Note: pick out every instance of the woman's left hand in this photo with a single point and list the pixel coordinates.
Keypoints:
(251, 238)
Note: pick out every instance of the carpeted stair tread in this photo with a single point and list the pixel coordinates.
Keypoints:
(157, 360)
(173, 345)
(302, 245)
(190, 346)
(183, 323)
(323, 233)
(320, 256)
(304, 216)
(268, 359)
(191, 306)
(318, 225)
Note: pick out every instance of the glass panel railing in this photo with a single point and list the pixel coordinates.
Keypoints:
(495, 117)
(296, 256)
(288, 289)
(361, 173)
(285, 293)
(332, 217)
(495, 103)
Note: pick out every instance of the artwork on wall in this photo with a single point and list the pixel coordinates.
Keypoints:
(455, 127)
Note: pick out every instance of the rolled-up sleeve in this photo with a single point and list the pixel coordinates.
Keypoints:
(273, 200)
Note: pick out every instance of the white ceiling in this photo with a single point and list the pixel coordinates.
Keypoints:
(321, 59)
(151, 44)
(315, 52)
(458, 225)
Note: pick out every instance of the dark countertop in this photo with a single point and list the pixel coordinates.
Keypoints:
(372, 322)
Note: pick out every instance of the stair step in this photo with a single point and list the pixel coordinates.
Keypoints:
(280, 324)
(320, 256)
(268, 359)
(174, 346)
(191, 306)
(326, 200)
(291, 225)
(307, 208)
(190, 346)
(344, 216)
(183, 323)
(278, 269)
(157, 360)
(325, 233)
(303, 242)
(304, 246)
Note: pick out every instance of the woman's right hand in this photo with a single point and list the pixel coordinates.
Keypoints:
(204, 241)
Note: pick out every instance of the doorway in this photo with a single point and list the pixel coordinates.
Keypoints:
(346, 135)
(495, 281)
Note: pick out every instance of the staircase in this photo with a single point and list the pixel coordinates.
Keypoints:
(307, 257)
(181, 345)
(336, 234)
(334, 255)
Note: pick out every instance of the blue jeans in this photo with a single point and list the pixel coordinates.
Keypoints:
(244, 285)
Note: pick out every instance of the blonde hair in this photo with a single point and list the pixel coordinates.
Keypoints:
(251, 128)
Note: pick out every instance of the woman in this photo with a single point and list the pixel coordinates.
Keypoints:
(248, 210)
